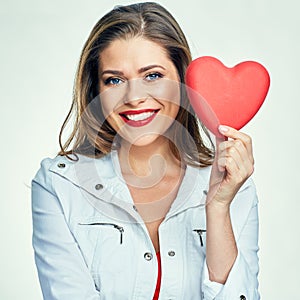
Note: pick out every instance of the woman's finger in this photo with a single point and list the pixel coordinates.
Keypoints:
(239, 146)
(237, 135)
(236, 150)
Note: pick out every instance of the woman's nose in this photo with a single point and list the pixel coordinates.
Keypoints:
(135, 92)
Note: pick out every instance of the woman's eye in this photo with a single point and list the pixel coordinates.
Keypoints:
(113, 81)
(153, 76)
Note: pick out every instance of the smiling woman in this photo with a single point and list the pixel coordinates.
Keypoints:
(147, 84)
(136, 206)
(151, 27)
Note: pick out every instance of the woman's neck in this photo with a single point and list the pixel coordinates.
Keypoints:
(148, 164)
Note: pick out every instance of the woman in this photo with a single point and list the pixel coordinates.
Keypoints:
(136, 205)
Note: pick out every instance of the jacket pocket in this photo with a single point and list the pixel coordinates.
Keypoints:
(118, 227)
(106, 238)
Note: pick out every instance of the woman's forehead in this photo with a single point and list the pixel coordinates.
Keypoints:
(137, 51)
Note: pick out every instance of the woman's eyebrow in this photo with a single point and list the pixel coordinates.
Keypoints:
(114, 72)
(141, 70)
(144, 69)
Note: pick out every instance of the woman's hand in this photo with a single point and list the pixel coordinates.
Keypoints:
(232, 166)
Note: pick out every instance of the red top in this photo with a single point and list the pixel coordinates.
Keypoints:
(156, 294)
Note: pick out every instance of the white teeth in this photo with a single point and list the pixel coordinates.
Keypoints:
(140, 117)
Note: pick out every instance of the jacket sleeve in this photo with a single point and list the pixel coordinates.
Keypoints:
(62, 271)
(242, 282)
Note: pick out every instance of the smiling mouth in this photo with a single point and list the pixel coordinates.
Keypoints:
(137, 118)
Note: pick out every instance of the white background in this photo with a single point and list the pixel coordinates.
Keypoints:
(40, 47)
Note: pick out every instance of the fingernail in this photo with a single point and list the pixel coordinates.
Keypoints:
(223, 128)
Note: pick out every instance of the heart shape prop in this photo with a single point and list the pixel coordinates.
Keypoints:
(227, 96)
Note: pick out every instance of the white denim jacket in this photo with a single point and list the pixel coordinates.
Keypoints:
(90, 243)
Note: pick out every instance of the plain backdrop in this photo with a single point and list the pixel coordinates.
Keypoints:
(40, 46)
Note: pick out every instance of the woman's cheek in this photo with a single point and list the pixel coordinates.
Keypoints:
(111, 99)
(166, 90)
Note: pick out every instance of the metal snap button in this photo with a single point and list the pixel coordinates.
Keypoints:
(61, 165)
(242, 297)
(171, 253)
(98, 186)
(148, 256)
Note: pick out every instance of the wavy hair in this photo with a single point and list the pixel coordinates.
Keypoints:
(91, 134)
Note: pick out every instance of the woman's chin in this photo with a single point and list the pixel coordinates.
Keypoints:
(144, 140)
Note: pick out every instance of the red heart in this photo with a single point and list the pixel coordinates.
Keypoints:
(228, 96)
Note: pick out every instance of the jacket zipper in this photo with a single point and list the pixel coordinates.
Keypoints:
(120, 228)
(200, 231)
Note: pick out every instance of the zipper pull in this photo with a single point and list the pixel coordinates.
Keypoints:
(200, 231)
(121, 229)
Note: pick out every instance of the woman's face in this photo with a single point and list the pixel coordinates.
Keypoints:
(139, 89)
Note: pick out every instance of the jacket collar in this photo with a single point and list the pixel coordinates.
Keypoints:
(102, 179)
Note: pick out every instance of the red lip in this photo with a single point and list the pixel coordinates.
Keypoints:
(135, 112)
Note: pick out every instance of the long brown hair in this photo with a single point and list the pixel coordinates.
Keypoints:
(91, 134)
